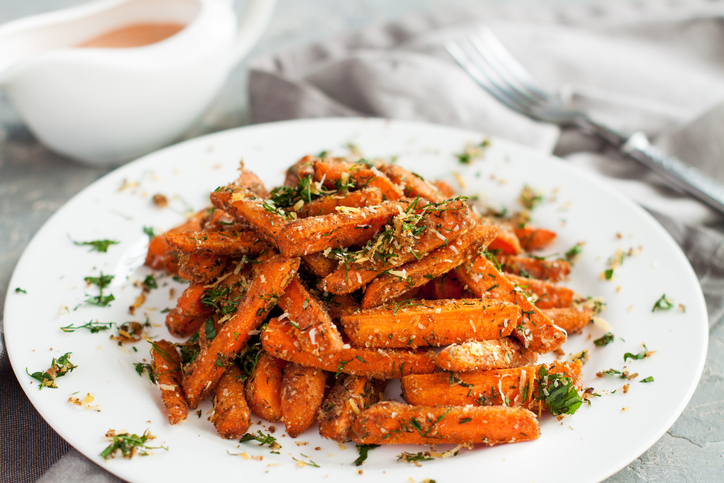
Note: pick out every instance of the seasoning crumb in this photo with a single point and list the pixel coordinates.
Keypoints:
(160, 200)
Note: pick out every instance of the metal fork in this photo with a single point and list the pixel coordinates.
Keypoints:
(499, 73)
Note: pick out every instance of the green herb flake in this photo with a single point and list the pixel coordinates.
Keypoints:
(150, 282)
(574, 252)
(92, 327)
(647, 379)
(262, 439)
(664, 303)
(414, 457)
(149, 231)
(97, 245)
(363, 450)
(19, 290)
(637, 357)
(142, 367)
(608, 274)
(604, 340)
(129, 445)
(557, 392)
(58, 368)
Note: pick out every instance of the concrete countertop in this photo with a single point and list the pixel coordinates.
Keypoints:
(35, 182)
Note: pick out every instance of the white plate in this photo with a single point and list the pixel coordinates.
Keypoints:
(593, 444)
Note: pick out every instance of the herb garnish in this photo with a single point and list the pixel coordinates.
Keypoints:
(128, 444)
(363, 450)
(101, 282)
(93, 327)
(664, 303)
(149, 231)
(647, 379)
(414, 457)
(97, 245)
(59, 367)
(603, 341)
(557, 392)
(150, 282)
(637, 357)
(530, 198)
(574, 252)
(262, 439)
(144, 366)
(19, 290)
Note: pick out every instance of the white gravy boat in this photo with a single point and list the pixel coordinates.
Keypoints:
(105, 106)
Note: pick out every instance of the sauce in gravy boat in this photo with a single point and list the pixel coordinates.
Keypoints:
(111, 80)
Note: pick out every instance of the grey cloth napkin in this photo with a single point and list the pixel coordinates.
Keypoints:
(638, 66)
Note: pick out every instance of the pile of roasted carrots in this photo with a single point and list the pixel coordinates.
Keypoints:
(304, 301)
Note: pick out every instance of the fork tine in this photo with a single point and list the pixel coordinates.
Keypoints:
(500, 56)
(475, 70)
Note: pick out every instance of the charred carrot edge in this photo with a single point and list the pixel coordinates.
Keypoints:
(536, 331)
(507, 241)
(552, 270)
(485, 355)
(159, 254)
(362, 175)
(217, 242)
(430, 323)
(263, 217)
(376, 363)
(167, 368)
(513, 387)
(329, 204)
(317, 233)
(349, 396)
(201, 267)
(267, 285)
(264, 388)
(232, 416)
(547, 295)
(396, 423)
(302, 394)
(189, 313)
(532, 238)
(413, 185)
(434, 264)
(316, 333)
(571, 319)
(443, 226)
(319, 265)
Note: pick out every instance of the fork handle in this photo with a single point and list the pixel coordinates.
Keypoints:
(701, 186)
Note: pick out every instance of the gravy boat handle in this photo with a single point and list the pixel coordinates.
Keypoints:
(252, 25)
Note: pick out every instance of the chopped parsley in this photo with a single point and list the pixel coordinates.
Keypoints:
(604, 340)
(530, 198)
(128, 444)
(557, 392)
(58, 368)
(93, 327)
(363, 450)
(149, 231)
(647, 379)
(574, 252)
(248, 359)
(150, 282)
(664, 303)
(19, 290)
(262, 439)
(414, 457)
(142, 367)
(637, 357)
(101, 282)
(97, 245)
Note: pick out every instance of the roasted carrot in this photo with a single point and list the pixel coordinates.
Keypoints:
(376, 363)
(262, 215)
(507, 241)
(570, 319)
(534, 330)
(445, 287)
(219, 242)
(335, 203)
(301, 169)
(434, 264)
(413, 185)
(251, 181)
(302, 394)
(485, 355)
(189, 313)
(220, 220)
(315, 331)
(517, 387)
(361, 174)
(264, 388)
(396, 423)
(201, 267)
(547, 295)
(160, 255)
(166, 365)
(319, 265)
(268, 283)
(446, 190)
(317, 233)
(349, 396)
(340, 305)
(552, 270)
(231, 416)
(418, 323)
(532, 238)
(405, 240)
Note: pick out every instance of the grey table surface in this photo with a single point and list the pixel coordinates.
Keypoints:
(35, 182)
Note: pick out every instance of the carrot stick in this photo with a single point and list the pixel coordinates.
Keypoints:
(299, 170)
(302, 394)
(507, 241)
(552, 270)
(218, 242)
(443, 224)
(413, 185)
(267, 285)
(434, 264)
(201, 267)
(250, 181)
(189, 313)
(262, 215)
(446, 190)
(516, 387)
(364, 176)
(348, 398)
(264, 388)
(396, 423)
(160, 255)
(532, 238)
(534, 330)
(418, 323)
(445, 287)
(329, 204)
(317, 233)
(166, 365)
(547, 295)
(570, 319)
(316, 333)
(319, 265)
(485, 355)
(377, 363)
(232, 416)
